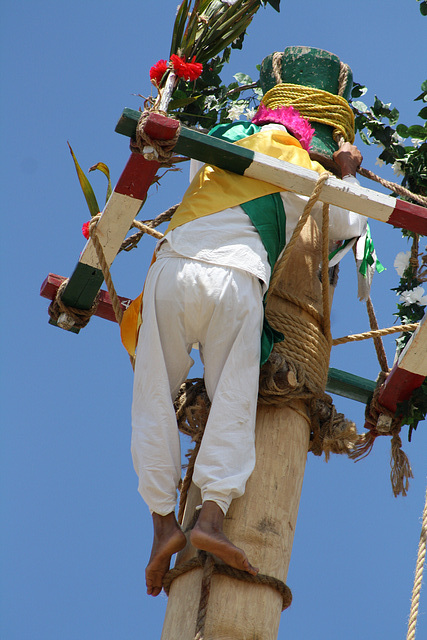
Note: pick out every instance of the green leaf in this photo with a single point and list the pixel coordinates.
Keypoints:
(86, 187)
(181, 102)
(100, 166)
(423, 113)
(242, 78)
(416, 131)
(424, 86)
(358, 90)
(402, 130)
(423, 8)
(178, 28)
(394, 116)
(360, 106)
(364, 138)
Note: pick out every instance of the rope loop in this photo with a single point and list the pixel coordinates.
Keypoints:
(210, 567)
(78, 318)
(159, 150)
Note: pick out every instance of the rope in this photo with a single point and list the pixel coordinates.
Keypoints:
(144, 228)
(205, 590)
(343, 78)
(281, 264)
(115, 302)
(277, 66)
(310, 373)
(316, 105)
(225, 570)
(79, 317)
(396, 188)
(131, 241)
(117, 307)
(379, 346)
(325, 276)
(159, 150)
(412, 623)
(356, 337)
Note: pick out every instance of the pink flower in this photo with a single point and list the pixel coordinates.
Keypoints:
(158, 70)
(85, 229)
(187, 70)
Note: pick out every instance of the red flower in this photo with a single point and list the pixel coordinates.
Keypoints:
(187, 70)
(158, 70)
(85, 229)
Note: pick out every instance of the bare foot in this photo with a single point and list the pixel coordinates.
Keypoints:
(208, 535)
(168, 539)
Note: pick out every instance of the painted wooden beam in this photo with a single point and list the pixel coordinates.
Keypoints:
(409, 372)
(349, 385)
(104, 310)
(117, 216)
(225, 155)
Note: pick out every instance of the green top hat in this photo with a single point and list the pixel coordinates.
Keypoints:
(281, 76)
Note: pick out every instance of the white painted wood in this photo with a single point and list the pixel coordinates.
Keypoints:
(414, 356)
(337, 192)
(113, 225)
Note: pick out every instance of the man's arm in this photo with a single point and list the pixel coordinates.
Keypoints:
(348, 158)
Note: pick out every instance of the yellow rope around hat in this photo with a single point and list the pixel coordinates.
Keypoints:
(316, 105)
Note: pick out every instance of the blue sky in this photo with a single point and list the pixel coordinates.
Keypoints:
(76, 535)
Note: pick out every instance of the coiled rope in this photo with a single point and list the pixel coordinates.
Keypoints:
(316, 105)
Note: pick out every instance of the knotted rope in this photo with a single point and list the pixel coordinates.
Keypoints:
(401, 470)
(79, 317)
(302, 335)
(211, 567)
(159, 150)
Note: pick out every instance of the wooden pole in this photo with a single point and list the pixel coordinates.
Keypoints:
(263, 520)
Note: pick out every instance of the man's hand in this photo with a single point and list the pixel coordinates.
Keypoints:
(348, 158)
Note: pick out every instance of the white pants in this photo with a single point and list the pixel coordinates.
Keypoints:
(187, 302)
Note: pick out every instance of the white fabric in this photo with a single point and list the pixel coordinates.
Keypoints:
(187, 301)
(229, 238)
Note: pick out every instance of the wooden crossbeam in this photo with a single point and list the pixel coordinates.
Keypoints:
(226, 155)
(131, 190)
(104, 309)
(117, 217)
(409, 372)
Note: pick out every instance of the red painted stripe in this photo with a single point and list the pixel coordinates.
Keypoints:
(398, 387)
(160, 127)
(409, 216)
(137, 177)
(104, 310)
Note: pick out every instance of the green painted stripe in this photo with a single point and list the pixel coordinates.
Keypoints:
(199, 146)
(82, 288)
(350, 386)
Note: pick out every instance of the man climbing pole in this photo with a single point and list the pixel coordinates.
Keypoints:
(206, 288)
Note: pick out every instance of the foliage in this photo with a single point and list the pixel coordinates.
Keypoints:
(209, 101)
(378, 124)
(423, 7)
(85, 185)
(410, 161)
(204, 29)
